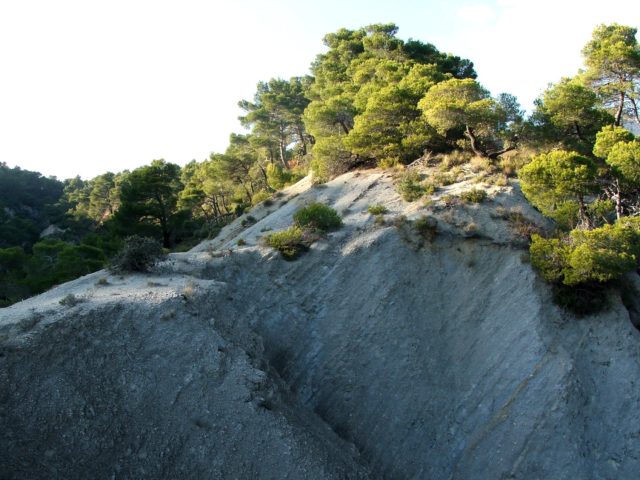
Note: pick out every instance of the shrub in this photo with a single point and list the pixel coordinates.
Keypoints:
(70, 300)
(481, 164)
(453, 159)
(260, 196)
(249, 220)
(426, 227)
(428, 188)
(444, 179)
(500, 180)
(520, 226)
(379, 220)
(585, 256)
(608, 137)
(241, 242)
(450, 200)
(377, 209)
(474, 195)
(289, 242)
(138, 254)
(410, 187)
(317, 217)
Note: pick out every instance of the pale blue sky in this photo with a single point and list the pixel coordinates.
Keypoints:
(89, 86)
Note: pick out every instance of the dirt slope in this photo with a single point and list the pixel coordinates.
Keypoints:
(378, 354)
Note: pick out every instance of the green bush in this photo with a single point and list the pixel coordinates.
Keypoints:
(426, 227)
(602, 254)
(278, 178)
(584, 256)
(443, 179)
(289, 242)
(474, 195)
(138, 254)
(410, 187)
(317, 217)
(260, 196)
(377, 209)
(580, 265)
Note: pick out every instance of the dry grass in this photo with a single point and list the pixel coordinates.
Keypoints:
(480, 164)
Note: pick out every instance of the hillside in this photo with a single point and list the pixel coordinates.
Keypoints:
(386, 351)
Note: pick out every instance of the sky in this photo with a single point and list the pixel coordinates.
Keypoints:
(90, 86)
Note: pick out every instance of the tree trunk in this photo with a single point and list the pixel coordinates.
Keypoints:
(266, 179)
(635, 110)
(474, 142)
(620, 109)
(216, 208)
(582, 212)
(283, 154)
(578, 131)
(618, 199)
(302, 140)
(344, 127)
(166, 238)
(495, 155)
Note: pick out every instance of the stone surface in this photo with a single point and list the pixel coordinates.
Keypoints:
(378, 354)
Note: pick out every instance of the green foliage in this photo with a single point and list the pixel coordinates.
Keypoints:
(427, 227)
(278, 177)
(556, 179)
(138, 254)
(455, 103)
(612, 57)
(365, 94)
(624, 157)
(390, 128)
(474, 195)
(608, 137)
(377, 209)
(548, 257)
(568, 115)
(149, 199)
(411, 187)
(260, 196)
(28, 204)
(55, 261)
(464, 105)
(585, 256)
(602, 211)
(330, 158)
(13, 272)
(288, 242)
(317, 217)
(276, 117)
(601, 254)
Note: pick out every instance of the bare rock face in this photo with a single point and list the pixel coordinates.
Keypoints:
(381, 353)
(151, 389)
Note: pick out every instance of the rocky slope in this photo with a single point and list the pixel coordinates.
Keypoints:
(380, 353)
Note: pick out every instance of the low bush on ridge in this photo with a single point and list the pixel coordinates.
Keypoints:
(317, 217)
(138, 254)
(309, 222)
